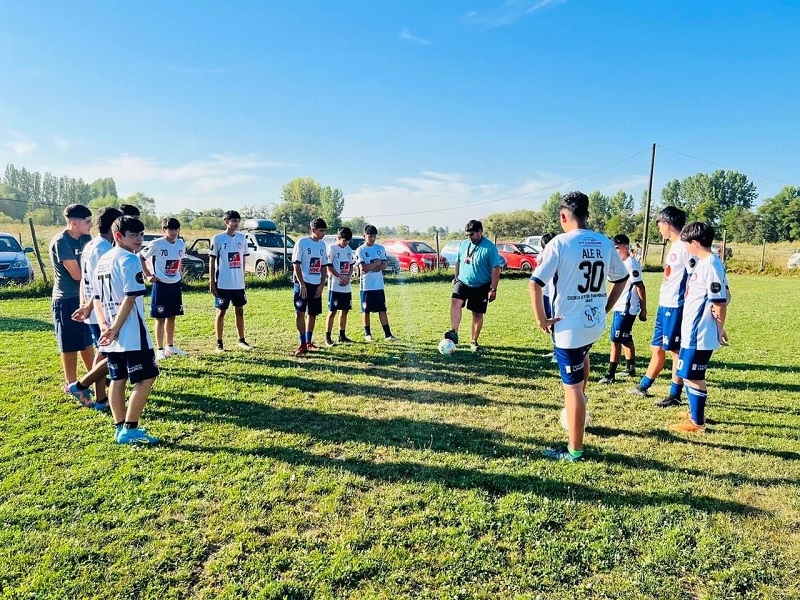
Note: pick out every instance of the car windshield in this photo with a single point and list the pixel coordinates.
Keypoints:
(355, 243)
(272, 240)
(9, 244)
(421, 247)
(525, 249)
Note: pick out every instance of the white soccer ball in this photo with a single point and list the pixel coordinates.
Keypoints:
(564, 423)
(447, 347)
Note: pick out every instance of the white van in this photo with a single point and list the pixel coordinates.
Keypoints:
(534, 241)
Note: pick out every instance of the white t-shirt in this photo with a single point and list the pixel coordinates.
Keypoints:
(312, 256)
(366, 255)
(119, 275)
(629, 302)
(229, 251)
(341, 259)
(167, 256)
(579, 263)
(89, 259)
(707, 283)
(677, 268)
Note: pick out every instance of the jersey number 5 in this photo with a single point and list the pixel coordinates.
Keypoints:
(593, 274)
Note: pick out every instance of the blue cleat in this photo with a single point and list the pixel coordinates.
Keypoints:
(136, 436)
(82, 396)
(561, 453)
(102, 405)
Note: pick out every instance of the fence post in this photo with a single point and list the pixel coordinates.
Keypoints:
(285, 247)
(724, 244)
(438, 257)
(36, 251)
(763, 254)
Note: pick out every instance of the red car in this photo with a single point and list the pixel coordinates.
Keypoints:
(518, 255)
(413, 255)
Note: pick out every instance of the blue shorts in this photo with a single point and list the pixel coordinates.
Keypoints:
(571, 364)
(340, 301)
(621, 327)
(225, 298)
(548, 307)
(96, 333)
(692, 364)
(72, 336)
(667, 330)
(135, 366)
(310, 304)
(166, 300)
(373, 301)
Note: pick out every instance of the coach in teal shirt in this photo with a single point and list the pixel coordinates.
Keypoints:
(477, 272)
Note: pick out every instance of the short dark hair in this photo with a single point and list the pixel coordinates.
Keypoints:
(672, 215)
(76, 211)
(697, 231)
(577, 203)
(546, 237)
(127, 223)
(318, 223)
(130, 210)
(170, 223)
(231, 214)
(370, 230)
(105, 218)
(472, 226)
(345, 233)
(621, 239)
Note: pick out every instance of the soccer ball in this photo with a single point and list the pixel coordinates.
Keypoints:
(447, 347)
(564, 423)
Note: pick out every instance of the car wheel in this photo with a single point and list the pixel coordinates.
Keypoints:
(261, 269)
(526, 266)
(413, 267)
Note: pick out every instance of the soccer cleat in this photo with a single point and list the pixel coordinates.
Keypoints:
(174, 351)
(667, 402)
(244, 346)
(391, 338)
(640, 391)
(136, 436)
(312, 346)
(452, 336)
(367, 338)
(561, 453)
(301, 350)
(219, 350)
(82, 396)
(607, 380)
(690, 426)
(343, 339)
(102, 405)
(330, 343)
(160, 355)
(473, 345)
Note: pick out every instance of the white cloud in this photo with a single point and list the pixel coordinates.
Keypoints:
(509, 12)
(62, 144)
(20, 144)
(407, 36)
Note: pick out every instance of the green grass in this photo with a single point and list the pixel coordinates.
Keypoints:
(386, 471)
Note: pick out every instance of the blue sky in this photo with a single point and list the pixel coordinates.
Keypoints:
(459, 107)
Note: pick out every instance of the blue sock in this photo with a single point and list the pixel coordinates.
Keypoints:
(675, 389)
(308, 336)
(646, 382)
(697, 404)
(303, 338)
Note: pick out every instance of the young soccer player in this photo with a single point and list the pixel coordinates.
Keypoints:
(340, 296)
(703, 324)
(309, 260)
(164, 272)
(667, 329)
(548, 294)
(633, 301)
(578, 262)
(226, 271)
(371, 260)
(119, 291)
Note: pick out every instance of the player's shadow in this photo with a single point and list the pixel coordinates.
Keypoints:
(757, 386)
(24, 324)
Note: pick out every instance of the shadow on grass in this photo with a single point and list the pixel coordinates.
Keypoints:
(24, 324)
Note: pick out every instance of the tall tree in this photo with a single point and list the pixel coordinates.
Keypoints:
(331, 206)
(302, 190)
(551, 213)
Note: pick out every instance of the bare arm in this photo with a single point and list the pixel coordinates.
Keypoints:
(640, 291)
(537, 302)
(212, 274)
(73, 268)
(614, 294)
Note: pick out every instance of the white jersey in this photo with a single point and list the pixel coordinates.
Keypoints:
(341, 259)
(229, 251)
(312, 256)
(676, 272)
(118, 276)
(579, 263)
(89, 259)
(629, 302)
(707, 284)
(366, 255)
(166, 258)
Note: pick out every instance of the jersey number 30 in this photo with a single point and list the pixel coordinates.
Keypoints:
(593, 274)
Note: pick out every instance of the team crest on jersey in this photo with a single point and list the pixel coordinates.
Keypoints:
(593, 316)
(635, 273)
(140, 278)
(315, 266)
(344, 267)
(171, 267)
(716, 287)
(160, 309)
(234, 260)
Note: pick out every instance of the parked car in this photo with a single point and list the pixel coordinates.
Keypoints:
(534, 241)
(414, 255)
(518, 256)
(392, 268)
(794, 260)
(450, 252)
(14, 265)
(191, 266)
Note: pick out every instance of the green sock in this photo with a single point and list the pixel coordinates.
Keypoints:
(575, 453)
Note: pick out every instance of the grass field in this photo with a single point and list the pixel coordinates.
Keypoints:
(390, 471)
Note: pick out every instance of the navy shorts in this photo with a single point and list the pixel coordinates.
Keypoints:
(667, 330)
(475, 299)
(571, 364)
(96, 333)
(72, 336)
(135, 366)
(373, 301)
(166, 300)
(225, 298)
(692, 364)
(548, 307)
(621, 327)
(310, 303)
(340, 301)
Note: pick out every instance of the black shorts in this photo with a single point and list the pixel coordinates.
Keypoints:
(310, 303)
(135, 366)
(340, 301)
(475, 299)
(166, 300)
(373, 301)
(225, 298)
(72, 336)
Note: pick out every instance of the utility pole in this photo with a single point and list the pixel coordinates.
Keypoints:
(647, 206)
